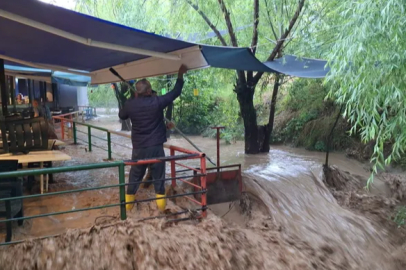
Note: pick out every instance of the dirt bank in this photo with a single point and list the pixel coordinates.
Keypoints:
(380, 208)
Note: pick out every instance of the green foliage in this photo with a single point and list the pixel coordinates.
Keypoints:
(400, 217)
(367, 66)
(311, 117)
(194, 113)
(320, 146)
(102, 96)
(306, 94)
(293, 128)
(306, 98)
(400, 162)
(363, 40)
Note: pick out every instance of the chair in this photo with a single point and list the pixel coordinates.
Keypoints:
(10, 187)
(24, 135)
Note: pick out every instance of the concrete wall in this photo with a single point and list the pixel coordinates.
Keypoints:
(82, 96)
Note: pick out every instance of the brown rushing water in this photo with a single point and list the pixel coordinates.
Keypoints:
(288, 181)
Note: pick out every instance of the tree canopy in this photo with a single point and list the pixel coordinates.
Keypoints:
(367, 67)
(362, 40)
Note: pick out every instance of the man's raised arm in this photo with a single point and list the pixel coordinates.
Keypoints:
(167, 99)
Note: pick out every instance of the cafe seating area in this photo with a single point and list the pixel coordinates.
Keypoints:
(24, 144)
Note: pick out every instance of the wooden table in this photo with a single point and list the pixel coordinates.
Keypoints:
(40, 157)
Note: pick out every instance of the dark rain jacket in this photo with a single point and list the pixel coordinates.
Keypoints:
(147, 117)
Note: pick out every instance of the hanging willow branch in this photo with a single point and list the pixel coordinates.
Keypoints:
(281, 40)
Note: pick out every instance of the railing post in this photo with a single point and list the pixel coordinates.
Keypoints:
(121, 180)
(218, 146)
(89, 138)
(109, 145)
(75, 140)
(203, 185)
(173, 168)
(62, 129)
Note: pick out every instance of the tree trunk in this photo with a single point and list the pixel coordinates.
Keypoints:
(121, 99)
(245, 96)
(269, 127)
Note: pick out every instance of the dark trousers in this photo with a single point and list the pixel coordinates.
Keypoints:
(157, 169)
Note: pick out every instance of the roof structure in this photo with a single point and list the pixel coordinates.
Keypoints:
(48, 37)
(46, 75)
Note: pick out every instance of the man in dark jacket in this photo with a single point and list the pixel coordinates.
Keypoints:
(148, 135)
(148, 176)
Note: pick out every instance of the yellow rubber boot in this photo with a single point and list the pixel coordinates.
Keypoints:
(161, 203)
(129, 198)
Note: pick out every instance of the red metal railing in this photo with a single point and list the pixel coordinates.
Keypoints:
(188, 154)
(173, 158)
(64, 119)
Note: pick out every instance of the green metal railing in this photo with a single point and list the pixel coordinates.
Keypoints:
(121, 179)
(121, 185)
(186, 154)
(91, 136)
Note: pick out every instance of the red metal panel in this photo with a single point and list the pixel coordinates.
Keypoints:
(223, 186)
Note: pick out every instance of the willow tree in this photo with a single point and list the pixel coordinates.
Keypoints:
(266, 26)
(367, 60)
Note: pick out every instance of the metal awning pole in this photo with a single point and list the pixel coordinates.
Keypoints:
(3, 89)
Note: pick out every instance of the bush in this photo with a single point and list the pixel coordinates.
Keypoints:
(400, 217)
(313, 117)
(293, 128)
(320, 146)
(102, 96)
(306, 95)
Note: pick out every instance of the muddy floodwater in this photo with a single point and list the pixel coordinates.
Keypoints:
(287, 180)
